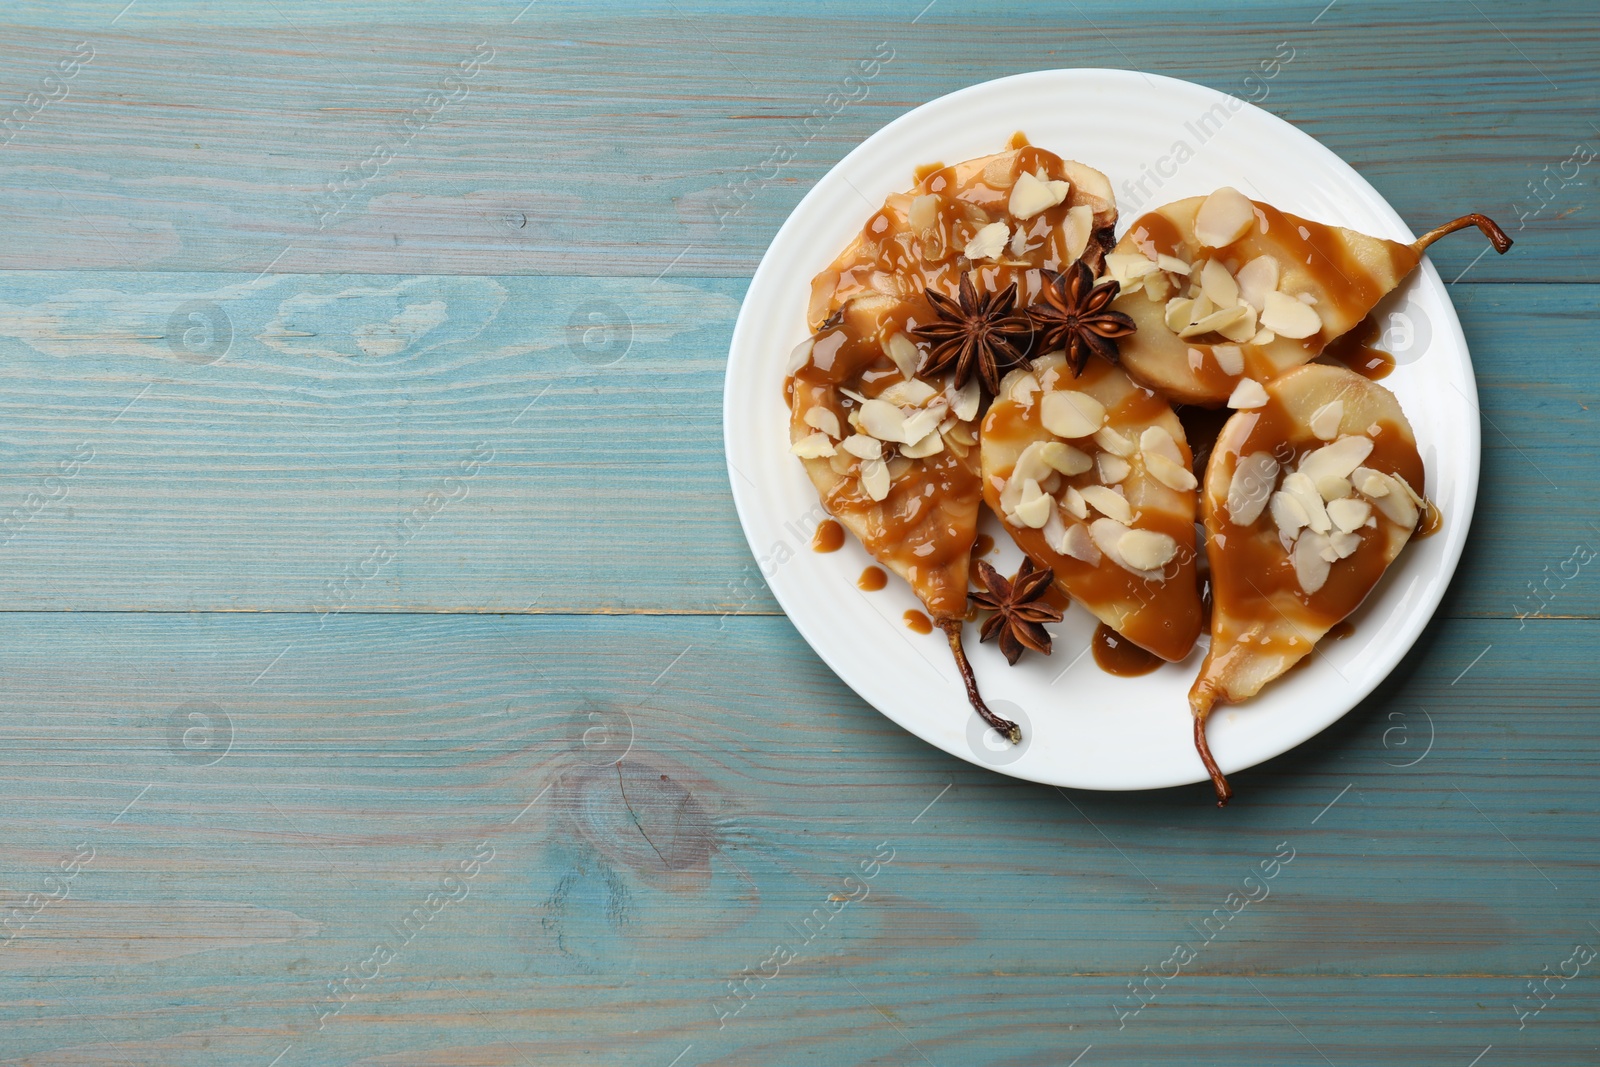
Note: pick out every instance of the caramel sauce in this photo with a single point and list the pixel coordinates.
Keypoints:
(982, 546)
(1018, 140)
(1341, 630)
(925, 528)
(1356, 351)
(920, 174)
(1432, 521)
(872, 579)
(1116, 655)
(828, 538)
(917, 622)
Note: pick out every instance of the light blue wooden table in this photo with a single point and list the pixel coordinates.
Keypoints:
(385, 676)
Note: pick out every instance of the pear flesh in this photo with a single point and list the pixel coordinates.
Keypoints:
(1224, 288)
(1091, 476)
(1307, 501)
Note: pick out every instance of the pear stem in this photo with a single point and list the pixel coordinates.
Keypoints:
(1490, 228)
(1218, 782)
(1005, 727)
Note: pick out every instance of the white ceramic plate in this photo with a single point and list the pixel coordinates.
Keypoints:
(1085, 728)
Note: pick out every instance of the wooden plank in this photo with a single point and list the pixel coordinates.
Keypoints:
(630, 874)
(638, 140)
(341, 404)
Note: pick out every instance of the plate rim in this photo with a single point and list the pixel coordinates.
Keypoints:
(1469, 479)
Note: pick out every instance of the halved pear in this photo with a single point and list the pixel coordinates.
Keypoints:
(1307, 500)
(893, 455)
(1091, 477)
(1225, 288)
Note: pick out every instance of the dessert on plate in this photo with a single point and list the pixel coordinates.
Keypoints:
(1225, 288)
(1309, 496)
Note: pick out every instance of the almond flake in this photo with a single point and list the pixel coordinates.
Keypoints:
(1337, 460)
(988, 242)
(1019, 243)
(1147, 550)
(920, 424)
(1055, 530)
(1216, 321)
(964, 401)
(1218, 285)
(863, 446)
(1157, 288)
(1172, 264)
(1370, 483)
(1310, 568)
(1029, 195)
(824, 419)
(1064, 458)
(1344, 543)
(1263, 337)
(1023, 388)
(1108, 536)
(1114, 442)
(1177, 315)
(1288, 516)
(903, 351)
(1076, 229)
(1079, 545)
(1412, 493)
(1288, 317)
(1247, 394)
(1113, 469)
(1071, 414)
(1349, 514)
(884, 421)
(1256, 279)
(875, 478)
(1075, 505)
(1223, 218)
(1331, 488)
(1241, 330)
(930, 445)
(1156, 441)
(1305, 491)
(1127, 267)
(1030, 465)
(1250, 487)
(1111, 504)
(908, 394)
(1230, 359)
(1173, 475)
(1395, 504)
(1034, 507)
(1325, 420)
(816, 446)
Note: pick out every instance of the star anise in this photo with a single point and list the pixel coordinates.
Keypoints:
(988, 335)
(1019, 615)
(1074, 314)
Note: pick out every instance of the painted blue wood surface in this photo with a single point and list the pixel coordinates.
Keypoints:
(569, 693)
